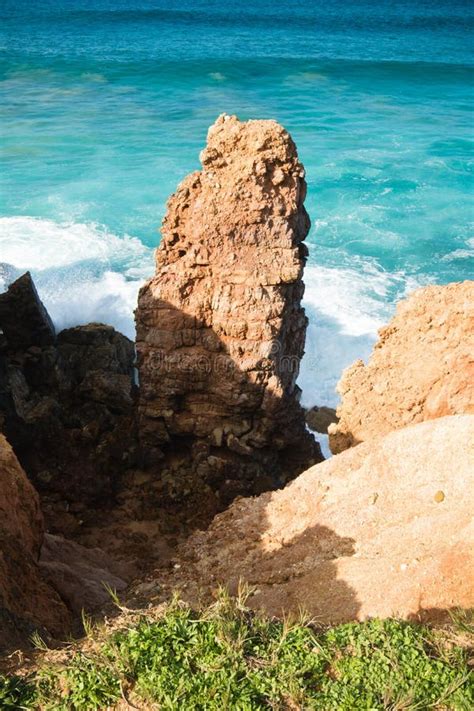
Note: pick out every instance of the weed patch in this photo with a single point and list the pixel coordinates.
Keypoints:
(227, 657)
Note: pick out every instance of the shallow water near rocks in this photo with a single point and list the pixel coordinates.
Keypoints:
(105, 107)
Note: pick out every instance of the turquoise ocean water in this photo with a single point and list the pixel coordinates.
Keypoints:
(105, 106)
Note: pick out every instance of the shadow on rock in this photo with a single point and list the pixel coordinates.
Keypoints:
(285, 572)
(374, 532)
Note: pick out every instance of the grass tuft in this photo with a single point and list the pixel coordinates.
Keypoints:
(227, 657)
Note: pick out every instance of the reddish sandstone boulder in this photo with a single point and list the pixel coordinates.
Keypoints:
(422, 367)
(384, 529)
(27, 602)
(220, 327)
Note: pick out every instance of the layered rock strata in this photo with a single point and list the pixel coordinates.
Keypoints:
(421, 368)
(220, 327)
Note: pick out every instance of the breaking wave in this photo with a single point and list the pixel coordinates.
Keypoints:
(86, 273)
(83, 272)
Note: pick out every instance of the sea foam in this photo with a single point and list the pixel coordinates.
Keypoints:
(345, 308)
(82, 272)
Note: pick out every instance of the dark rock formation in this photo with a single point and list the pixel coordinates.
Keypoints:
(220, 328)
(23, 319)
(318, 419)
(66, 402)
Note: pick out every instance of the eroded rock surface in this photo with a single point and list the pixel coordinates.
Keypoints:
(384, 529)
(220, 328)
(66, 401)
(27, 602)
(422, 367)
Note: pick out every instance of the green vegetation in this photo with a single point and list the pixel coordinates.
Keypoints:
(227, 658)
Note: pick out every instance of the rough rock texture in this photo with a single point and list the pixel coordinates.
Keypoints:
(319, 419)
(220, 328)
(27, 602)
(384, 529)
(80, 575)
(422, 367)
(23, 318)
(66, 403)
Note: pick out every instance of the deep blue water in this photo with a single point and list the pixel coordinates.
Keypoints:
(105, 106)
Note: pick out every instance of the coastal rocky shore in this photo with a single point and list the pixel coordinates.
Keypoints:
(184, 461)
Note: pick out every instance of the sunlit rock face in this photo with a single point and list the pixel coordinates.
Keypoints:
(220, 327)
(421, 368)
(383, 529)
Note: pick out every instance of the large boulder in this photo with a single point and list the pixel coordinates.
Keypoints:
(422, 367)
(27, 602)
(383, 529)
(220, 327)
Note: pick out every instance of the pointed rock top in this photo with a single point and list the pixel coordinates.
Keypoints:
(23, 318)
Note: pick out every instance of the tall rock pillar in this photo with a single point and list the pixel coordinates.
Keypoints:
(220, 327)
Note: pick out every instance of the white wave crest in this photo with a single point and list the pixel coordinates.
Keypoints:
(83, 272)
(86, 273)
(33, 243)
(345, 307)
